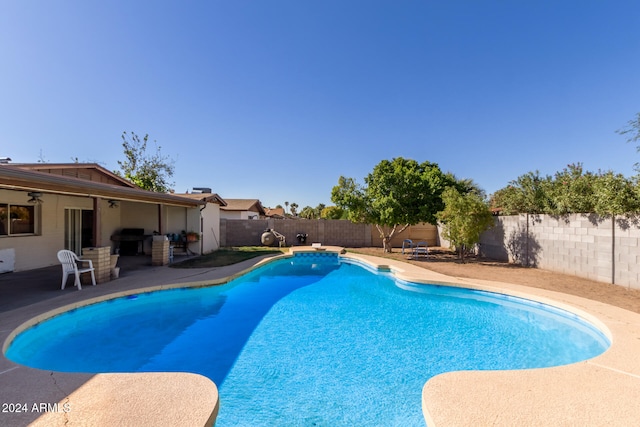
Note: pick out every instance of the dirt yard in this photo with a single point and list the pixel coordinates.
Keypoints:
(444, 261)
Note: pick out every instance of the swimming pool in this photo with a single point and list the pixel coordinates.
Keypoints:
(311, 340)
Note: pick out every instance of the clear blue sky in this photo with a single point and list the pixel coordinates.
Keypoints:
(276, 99)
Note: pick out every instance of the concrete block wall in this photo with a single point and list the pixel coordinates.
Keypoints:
(241, 232)
(345, 233)
(235, 232)
(581, 245)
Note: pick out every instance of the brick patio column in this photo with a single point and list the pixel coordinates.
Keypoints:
(101, 258)
(159, 252)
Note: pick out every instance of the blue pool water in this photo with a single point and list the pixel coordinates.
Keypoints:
(311, 340)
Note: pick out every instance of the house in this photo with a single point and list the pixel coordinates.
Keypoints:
(48, 207)
(275, 213)
(242, 209)
(209, 219)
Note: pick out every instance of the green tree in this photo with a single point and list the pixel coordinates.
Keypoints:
(614, 195)
(312, 213)
(308, 212)
(293, 208)
(147, 171)
(529, 193)
(571, 191)
(398, 193)
(332, 212)
(465, 217)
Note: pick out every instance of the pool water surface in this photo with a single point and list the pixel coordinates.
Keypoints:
(311, 340)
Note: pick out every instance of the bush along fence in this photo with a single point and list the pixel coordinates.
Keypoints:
(584, 245)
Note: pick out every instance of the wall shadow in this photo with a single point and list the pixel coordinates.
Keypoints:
(523, 248)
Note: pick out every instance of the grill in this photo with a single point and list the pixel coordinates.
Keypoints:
(131, 241)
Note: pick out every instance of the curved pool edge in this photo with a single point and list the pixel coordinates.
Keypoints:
(599, 391)
(119, 294)
(603, 390)
(141, 399)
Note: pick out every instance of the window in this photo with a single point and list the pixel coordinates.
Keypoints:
(4, 220)
(17, 219)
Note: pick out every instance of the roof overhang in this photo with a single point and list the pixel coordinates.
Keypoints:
(205, 197)
(26, 180)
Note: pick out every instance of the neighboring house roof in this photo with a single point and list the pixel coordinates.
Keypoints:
(205, 197)
(253, 205)
(274, 212)
(87, 171)
(26, 179)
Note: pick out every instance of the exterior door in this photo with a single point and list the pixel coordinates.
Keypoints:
(78, 229)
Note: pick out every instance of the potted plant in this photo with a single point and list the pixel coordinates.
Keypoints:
(192, 236)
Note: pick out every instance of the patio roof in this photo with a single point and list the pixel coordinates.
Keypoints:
(16, 178)
(205, 197)
(76, 170)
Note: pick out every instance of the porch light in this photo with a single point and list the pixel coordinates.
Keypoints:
(113, 203)
(35, 197)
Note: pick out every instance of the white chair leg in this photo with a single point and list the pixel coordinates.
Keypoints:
(93, 278)
(65, 275)
(78, 281)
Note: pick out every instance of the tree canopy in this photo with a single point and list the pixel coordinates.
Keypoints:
(332, 212)
(398, 193)
(571, 190)
(312, 213)
(147, 171)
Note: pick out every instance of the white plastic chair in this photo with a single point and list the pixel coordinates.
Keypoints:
(69, 261)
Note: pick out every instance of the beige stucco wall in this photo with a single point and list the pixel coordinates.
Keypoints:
(40, 250)
(179, 219)
(175, 220)
(210, 228)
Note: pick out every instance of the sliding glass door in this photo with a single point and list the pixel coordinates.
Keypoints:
(78, 229)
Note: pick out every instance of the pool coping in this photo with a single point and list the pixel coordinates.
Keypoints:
(600, 391)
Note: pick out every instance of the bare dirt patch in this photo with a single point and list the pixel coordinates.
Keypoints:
(446, 262)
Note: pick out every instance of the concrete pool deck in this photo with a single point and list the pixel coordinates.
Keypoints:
(601, 391)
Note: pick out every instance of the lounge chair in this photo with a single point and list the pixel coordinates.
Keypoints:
(408, 244)
(421, 249)
(69, 261)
